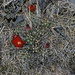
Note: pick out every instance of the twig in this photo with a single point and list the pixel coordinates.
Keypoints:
(37, 11)
(6, 3)
(62, 34)
(2, 29)
(46, 7)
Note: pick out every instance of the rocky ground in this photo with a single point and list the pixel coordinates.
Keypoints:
(50, 41)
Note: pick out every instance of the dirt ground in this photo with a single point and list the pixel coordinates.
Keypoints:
(53, 22)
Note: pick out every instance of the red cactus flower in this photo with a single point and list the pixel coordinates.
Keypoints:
(54, 74)
(14, 36)
(47, 45)
(28, 27)
(32, 7)
(17, 41)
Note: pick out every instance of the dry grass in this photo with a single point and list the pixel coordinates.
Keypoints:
(34, 58)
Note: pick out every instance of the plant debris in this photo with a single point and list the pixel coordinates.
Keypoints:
(49, 33)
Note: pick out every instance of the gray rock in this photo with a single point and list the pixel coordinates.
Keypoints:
(72, 1)
(19, 19)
